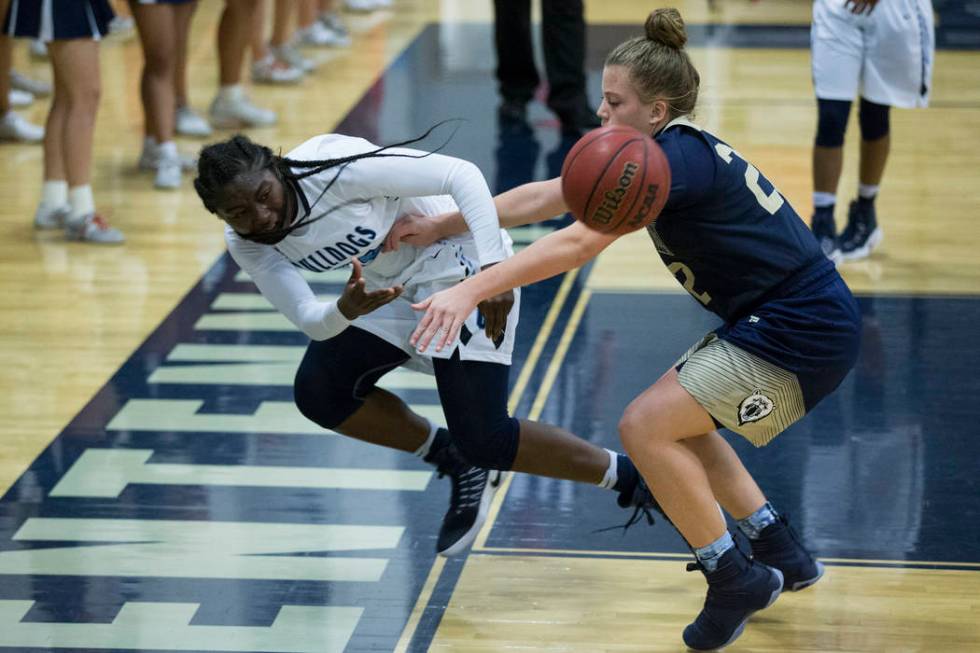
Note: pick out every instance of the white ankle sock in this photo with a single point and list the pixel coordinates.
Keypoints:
(167, 150)
(54, 193)
(867, 191)
(611, 475)
(423, 451)
(822, 199)
(81, 201)
(231, 92)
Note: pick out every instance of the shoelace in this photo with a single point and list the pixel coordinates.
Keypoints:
(470, 485)
(858, 231)
(101, 223)
(639, 513)
(467, 485)
(857, 228)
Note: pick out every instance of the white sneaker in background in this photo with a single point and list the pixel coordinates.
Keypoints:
(362, 5)
(14, 127)
(232, 112)
(341, 37)
(168, 166)
(19, 98)
(36, 87)
(150, 158)
(191, 123)
(51, 217)
(319, 35)
(273, 71)
(38, 49)
(333, 22)
(168, 173)
(93, 228)
(292, 57)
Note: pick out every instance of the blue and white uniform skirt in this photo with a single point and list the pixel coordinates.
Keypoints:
(54, 20)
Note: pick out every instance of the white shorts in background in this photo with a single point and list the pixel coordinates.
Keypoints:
(885, 57)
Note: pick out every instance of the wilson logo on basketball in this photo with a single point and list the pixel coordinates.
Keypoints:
(641, 216)
(613, 198)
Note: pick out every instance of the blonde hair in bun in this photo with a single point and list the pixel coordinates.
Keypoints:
(665, 26)
(658, 65)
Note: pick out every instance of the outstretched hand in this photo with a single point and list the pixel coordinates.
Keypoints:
(356, 300)
(445, 313)
(414, 229)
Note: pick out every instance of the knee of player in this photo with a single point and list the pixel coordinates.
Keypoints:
(315, 402)
(832, 122)
(874, 120)
(630, 427)
(489, 444)
(635, 428)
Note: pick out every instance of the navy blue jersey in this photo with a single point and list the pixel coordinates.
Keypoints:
(726, 233)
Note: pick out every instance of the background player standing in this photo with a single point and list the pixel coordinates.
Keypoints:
(882, 52)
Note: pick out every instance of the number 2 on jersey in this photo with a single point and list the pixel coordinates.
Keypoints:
(771, 202)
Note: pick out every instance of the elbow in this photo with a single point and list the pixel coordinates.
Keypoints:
(584, 250)
(469, 168)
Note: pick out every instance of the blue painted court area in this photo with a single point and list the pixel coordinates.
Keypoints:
(883, 469)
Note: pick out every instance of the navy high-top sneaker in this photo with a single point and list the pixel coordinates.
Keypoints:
(823, 227)
(778, 547)
(737, 588)
(472, 491)
(862, 233)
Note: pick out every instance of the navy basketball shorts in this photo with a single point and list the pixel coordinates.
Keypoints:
(762, 373)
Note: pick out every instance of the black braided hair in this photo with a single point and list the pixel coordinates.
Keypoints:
(219, 164)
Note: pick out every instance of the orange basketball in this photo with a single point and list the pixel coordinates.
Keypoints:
(615, 180)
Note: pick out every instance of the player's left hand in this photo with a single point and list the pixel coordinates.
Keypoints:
(445, 313)
(495, 311)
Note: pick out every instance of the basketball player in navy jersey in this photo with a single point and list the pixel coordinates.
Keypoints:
(791, 330)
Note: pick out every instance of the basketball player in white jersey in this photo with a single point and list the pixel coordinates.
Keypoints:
(882, 52)
(330, 203)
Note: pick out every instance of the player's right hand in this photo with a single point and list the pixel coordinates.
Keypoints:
(356, 300)
(414, 229)
(860, 6)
